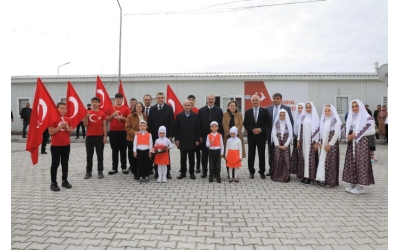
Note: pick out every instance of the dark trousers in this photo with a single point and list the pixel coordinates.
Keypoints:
(198, 156)
(132, 160)
(143, 162)
(214, 156)
(184, 154)
(204, 159)
(271, 147)
(260, 145)
(92, 143)
(80, 125)
(118, 146)
(376, 134)
(45, 139)
(386, 128)
(25, 125)
(59, 153)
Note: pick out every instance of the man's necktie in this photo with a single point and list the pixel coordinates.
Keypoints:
(159, 107)
(255, 114)
(276, 111)
(147, 111)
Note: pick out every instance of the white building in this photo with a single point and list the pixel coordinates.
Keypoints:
(320, 88)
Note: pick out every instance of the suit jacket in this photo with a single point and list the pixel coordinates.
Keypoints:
(263, 122)
(132, 125)
(270, 110)
(205, 120)
(187, 130)
(164, 117)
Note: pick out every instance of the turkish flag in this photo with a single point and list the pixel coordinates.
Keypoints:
(105, 101)
(121, 91)
(44, 114)
(76, 111)
(173, 101)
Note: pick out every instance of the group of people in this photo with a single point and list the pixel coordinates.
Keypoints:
(146, 132)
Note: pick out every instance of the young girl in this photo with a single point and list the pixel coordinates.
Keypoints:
(162, 159)
(357, 165)
(328, 167)
(282, 137)
(307, 144)
(233, 153)
(295, 154)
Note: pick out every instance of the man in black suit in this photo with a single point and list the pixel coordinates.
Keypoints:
(273, 111)
(161, 114)
(376, 117)
(25, 115)
(207, 114)
(257, 122)
(187, 137)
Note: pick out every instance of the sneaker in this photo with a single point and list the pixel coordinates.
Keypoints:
(375, 159)
(54, 187)
(66, 184)
(372, 161)
(140, 179)
(164, 180)
(100, 175)
(87, 175)
(125, 171)
(159, 179)
(113, 171)
(357, 190)
(349, 188)
(146, 179)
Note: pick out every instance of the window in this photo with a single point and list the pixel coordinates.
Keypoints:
(342, 104)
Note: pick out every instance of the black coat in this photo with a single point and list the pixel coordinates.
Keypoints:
(264, 122)
(157, 118)
(26, 113)
(205, 118)
(187, 130)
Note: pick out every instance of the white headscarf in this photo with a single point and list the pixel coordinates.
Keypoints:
(282, 125)
(334, 115)
(297, 119)
(162, 129)
(314, 119)
(362, 120)
(235, 131)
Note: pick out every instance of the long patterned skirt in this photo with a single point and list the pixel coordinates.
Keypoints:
(294, 158)
(332, 164)
(357, 165)
(313, 161)
(281, 168)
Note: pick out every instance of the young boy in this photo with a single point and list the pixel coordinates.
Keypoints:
(216, 151)
(60, 147)
(142, 144)
(96, 137)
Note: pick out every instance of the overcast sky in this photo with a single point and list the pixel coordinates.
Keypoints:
(323, 36)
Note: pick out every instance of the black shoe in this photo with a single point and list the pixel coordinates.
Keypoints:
(262, 176)
(125, 171)
(251, 176)
(54, 187)
(76, 137)
(23, 136)
(66, 184)
(130, 168)
(198, 170)
(169, 176)
(146, 179)
(113, 171)
(268, 174)
(152, 172)
(192, 176)
(203, 175)
(83, 137)
(210, 179)
(156, 175)
(181, 176)
(219, 179)
(87, 175)
(100, 175)
(44, 153)
(303, 180)
(309, 182)
(135, 176)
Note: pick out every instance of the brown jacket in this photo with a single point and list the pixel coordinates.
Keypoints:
(238, 123)
(132, 125)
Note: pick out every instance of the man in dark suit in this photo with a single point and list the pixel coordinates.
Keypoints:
(376, 117)
(25, 115)
(257, 122)
(273, 111)
(187, 137)
(207, 114)
(161, 114)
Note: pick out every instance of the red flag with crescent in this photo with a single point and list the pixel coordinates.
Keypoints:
(76, 110)
(105, 101)
(44, 114)
(173, 101)
(121, 91)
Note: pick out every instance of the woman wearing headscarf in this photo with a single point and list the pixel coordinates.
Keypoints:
(357, 165)
(282, 137)
(295, 154)
(382, 118)
(232, 117)
(330, 132)
(307, 144)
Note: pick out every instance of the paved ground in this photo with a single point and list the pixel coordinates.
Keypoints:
(119, 213)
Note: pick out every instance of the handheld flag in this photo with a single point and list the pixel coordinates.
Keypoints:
(121, 91)
(105, 101)
(76, 111)
(173, 101)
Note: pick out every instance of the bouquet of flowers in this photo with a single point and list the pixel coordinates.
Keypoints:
(159, 148)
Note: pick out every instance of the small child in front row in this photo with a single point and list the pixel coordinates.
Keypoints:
(162, 159)
(233, 154)
(216, 152)
(142, 143)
